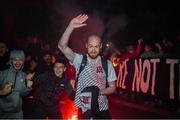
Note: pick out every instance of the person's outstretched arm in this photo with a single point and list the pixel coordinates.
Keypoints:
(76, 22)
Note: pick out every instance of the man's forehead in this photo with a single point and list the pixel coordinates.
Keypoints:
(94, 42)
(94, 38)
(59, 64)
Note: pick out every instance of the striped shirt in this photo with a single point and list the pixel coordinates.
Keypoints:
(93, 75)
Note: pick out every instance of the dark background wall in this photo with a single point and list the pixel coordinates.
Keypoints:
(119, 21)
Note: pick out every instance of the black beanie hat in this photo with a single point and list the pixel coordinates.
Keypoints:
(59, 60)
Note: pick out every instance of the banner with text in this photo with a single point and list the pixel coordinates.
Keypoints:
(156, 76)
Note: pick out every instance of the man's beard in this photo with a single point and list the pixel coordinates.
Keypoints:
(93, 56)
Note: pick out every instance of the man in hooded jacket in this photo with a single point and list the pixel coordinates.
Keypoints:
(14, 83)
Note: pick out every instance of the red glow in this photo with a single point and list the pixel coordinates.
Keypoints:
(69, 111)
(115, 64)
(74, 117)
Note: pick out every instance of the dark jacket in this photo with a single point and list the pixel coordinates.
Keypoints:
(49, 88)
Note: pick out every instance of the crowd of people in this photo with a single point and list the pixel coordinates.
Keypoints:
(164, 49)
(34, 79)
(45, 74)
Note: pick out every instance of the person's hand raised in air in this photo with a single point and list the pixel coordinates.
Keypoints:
(78, 21)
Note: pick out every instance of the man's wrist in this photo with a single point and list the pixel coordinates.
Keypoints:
(70, 28)
(29, 85)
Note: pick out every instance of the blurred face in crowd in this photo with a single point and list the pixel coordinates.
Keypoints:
(130, 49)
(47, 58)
(17, 63)
(93, 46)
(59, 69)
(47, 47)
(169, 44)
(3, 49)
(35, 40)
(147, 48)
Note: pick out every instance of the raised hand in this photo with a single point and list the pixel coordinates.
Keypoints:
(78, 21)
(29, 78)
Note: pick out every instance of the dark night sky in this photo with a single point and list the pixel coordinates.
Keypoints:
(48, 18)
